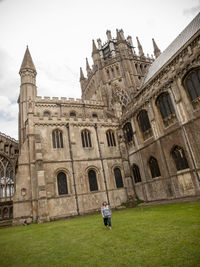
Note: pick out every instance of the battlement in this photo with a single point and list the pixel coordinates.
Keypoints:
(8, 137)
(65, 100)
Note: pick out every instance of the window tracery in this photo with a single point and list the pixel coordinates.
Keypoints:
(6, 178)
(154, 167)
(57, 139)
(166, 108)
(86, 138)
(92, 180)
(144, 124)
(110, 138)
(179, 158)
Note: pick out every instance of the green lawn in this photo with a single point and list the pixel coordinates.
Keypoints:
(165, 235)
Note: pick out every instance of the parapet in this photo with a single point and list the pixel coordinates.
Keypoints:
(65, 100)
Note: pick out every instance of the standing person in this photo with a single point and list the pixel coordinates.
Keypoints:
(106, 214)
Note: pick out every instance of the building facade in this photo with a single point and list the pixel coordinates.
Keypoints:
(134, 134)
(8, 166)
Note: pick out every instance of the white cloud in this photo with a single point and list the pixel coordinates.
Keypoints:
(8, 110)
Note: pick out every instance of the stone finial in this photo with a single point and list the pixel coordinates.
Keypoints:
(156, 51)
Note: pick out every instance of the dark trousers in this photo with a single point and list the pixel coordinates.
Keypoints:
(107, 221)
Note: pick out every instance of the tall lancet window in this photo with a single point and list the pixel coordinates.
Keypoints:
(118, 178)
(62, 183)
(92, 180)
(110, 138)
(86, 138)
(166, 108)
(128, 133)
(192, 83)
(57, 139)
(6, 178)
(179, 158)
(154, 167)
(144, 124)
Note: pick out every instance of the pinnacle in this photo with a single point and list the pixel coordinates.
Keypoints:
(94, 48)
(119, 37)
(156, 49)
(27, 62)
(87, 64)
(141, 53)
(81, 74)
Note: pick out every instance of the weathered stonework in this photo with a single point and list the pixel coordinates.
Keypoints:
(119, 85)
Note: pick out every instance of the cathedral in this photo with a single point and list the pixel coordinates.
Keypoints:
(134, 134)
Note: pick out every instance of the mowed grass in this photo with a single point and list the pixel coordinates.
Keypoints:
(165, 235)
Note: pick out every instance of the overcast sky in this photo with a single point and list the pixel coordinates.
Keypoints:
(59, 34)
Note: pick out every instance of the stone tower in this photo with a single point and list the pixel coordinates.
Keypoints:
(116, 73)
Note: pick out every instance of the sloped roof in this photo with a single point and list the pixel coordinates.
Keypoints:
(27, 62)
(180, 40)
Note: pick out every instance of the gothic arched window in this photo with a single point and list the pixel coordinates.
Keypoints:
(144, 124)
(62, 183)
(57, 139)
(154, 168)
(72, 114)
(6, 178)
(92, 180)
(47, 114)
(165, 105)
(179, 158)
(128, 132)
(118, 178)
(94, 115)
(86, 138)
(110, 138)
(192, 83)
(136, 173)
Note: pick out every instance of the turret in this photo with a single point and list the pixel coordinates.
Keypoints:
(140, 50)
(130, 41)
(28, 92)
(119, 37)
(156, 49)
(28, 78)
(27, 71)
(109, 36)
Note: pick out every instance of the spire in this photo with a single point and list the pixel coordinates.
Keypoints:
(156, 49)
(27, 62)
(88, 67)
(81, 75)
(94, 48)
(141, 53)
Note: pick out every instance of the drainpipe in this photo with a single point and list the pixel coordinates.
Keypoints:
(100, 155)
(73, 174)
(185, 136)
